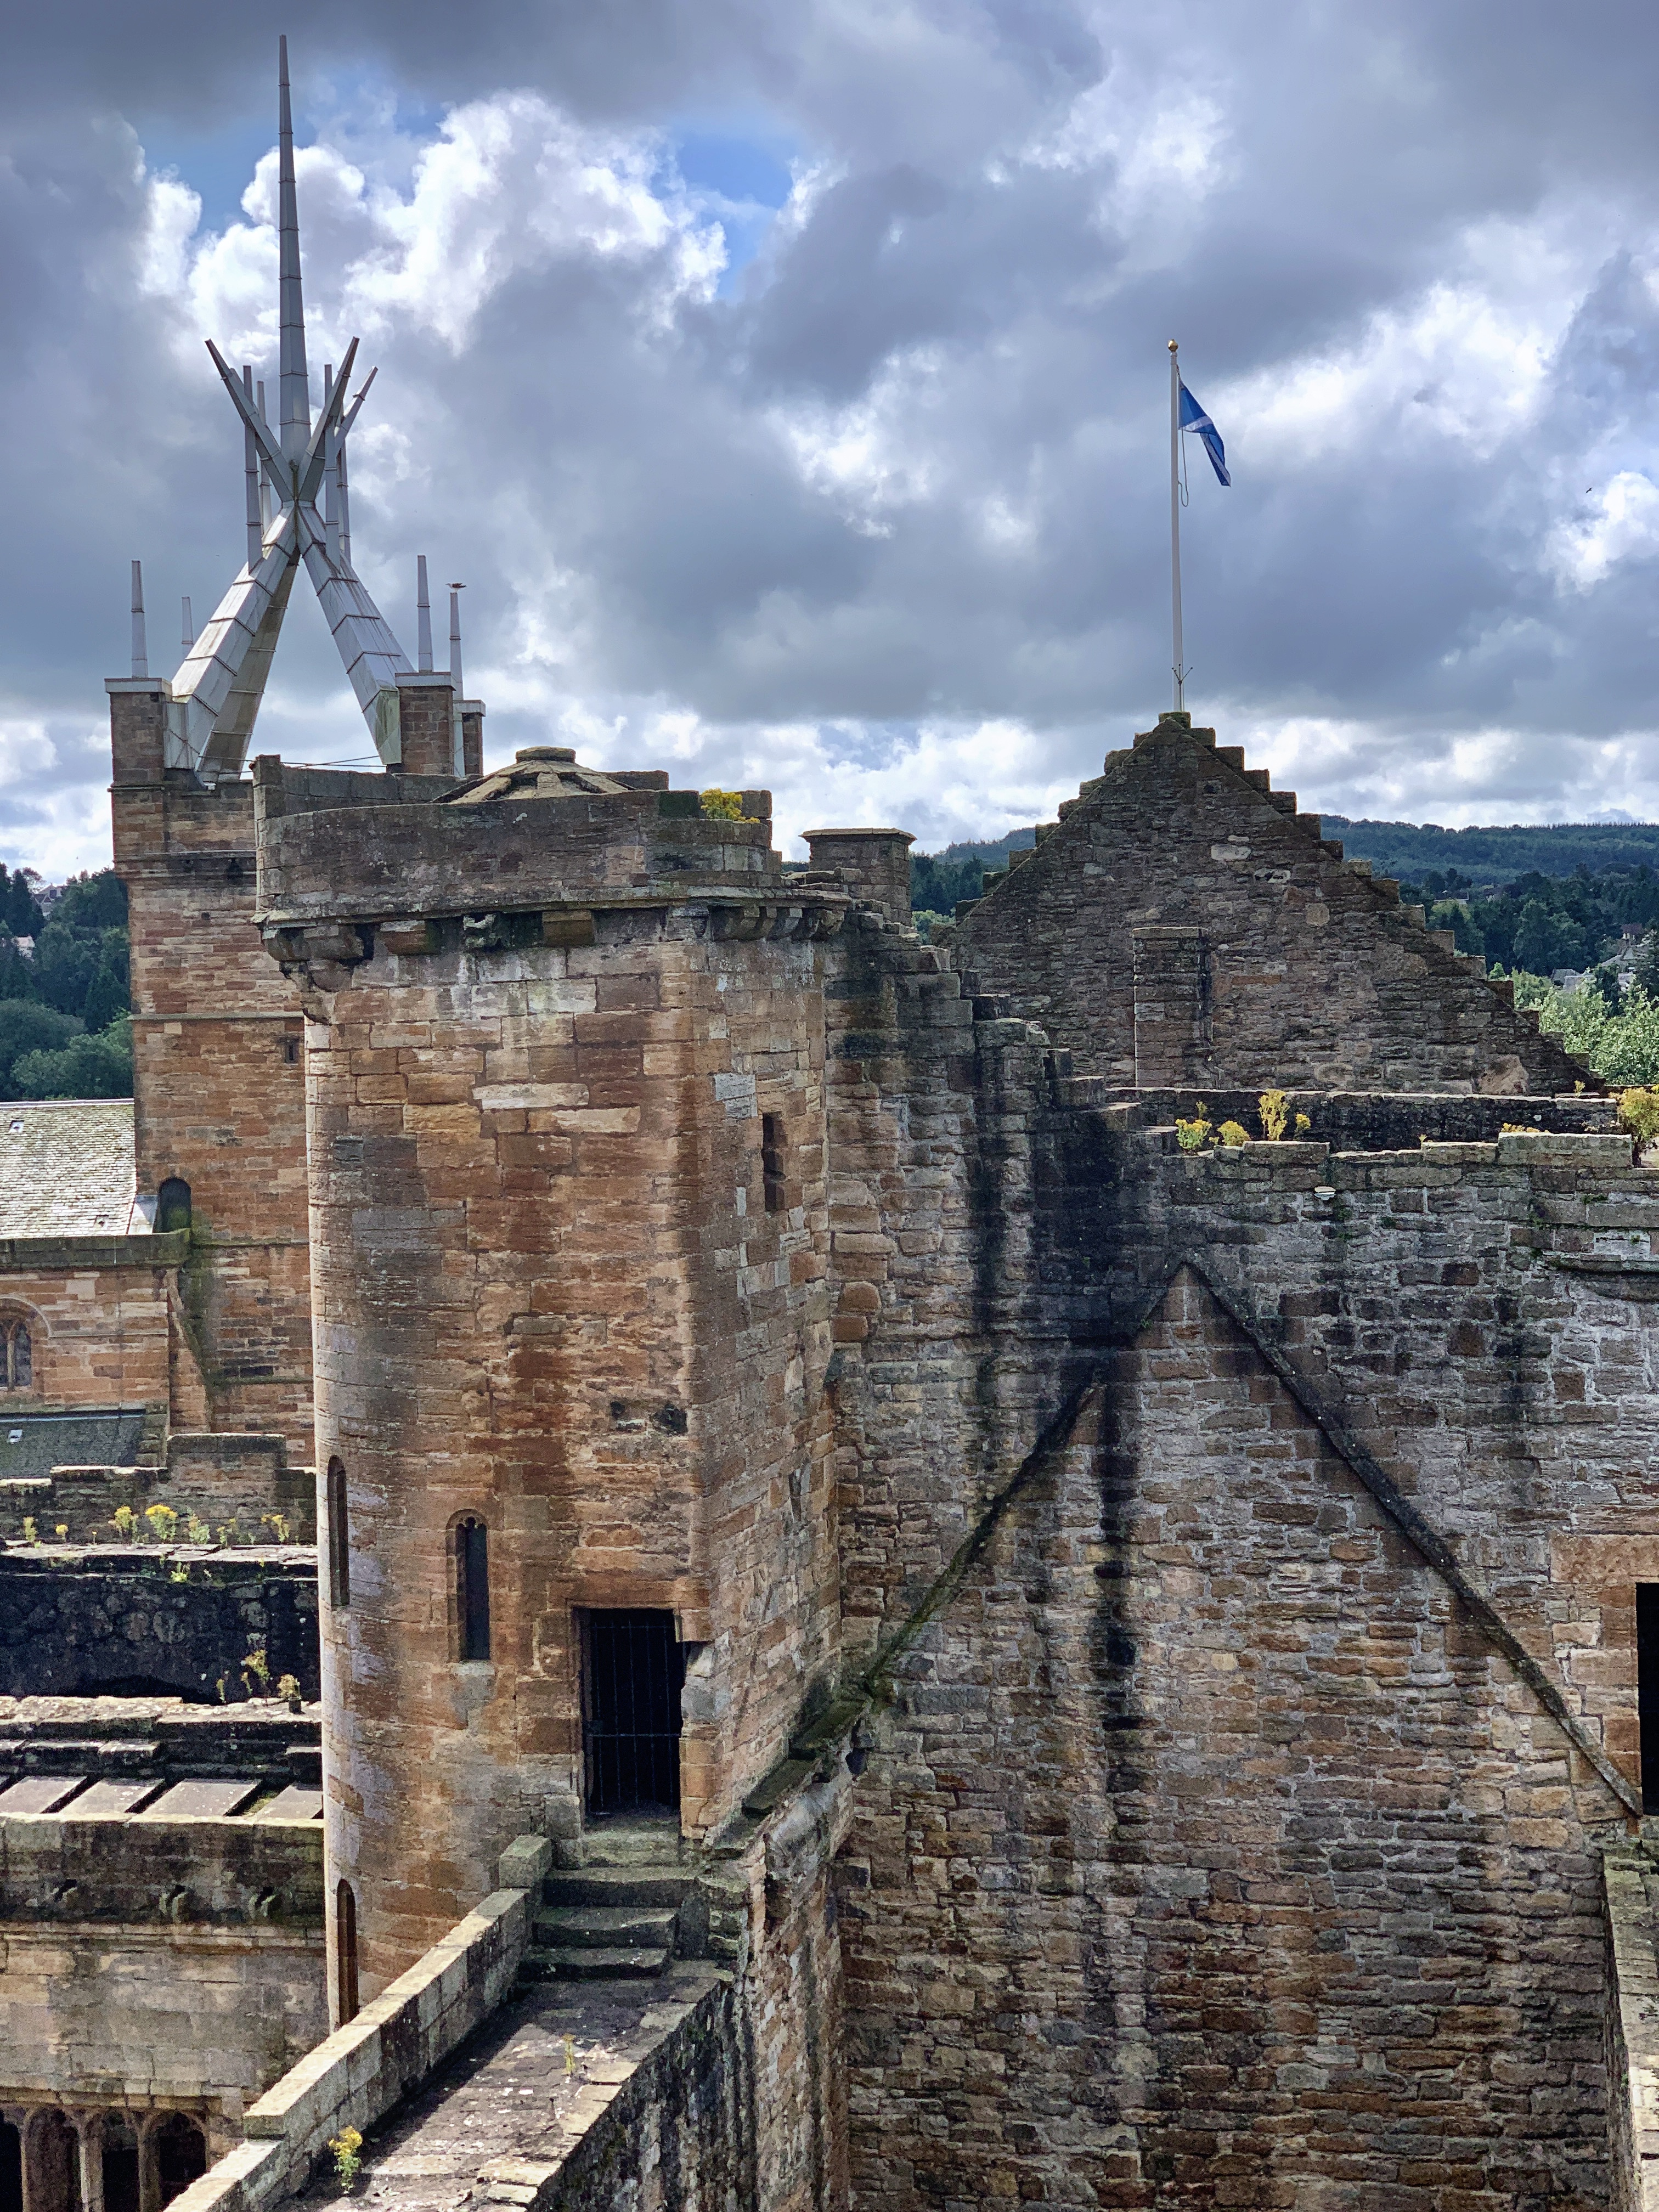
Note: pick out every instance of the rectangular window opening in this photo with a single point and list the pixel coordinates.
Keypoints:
(1647, 1689)
(772, 1161)
(472, 1590)
(633, 1672)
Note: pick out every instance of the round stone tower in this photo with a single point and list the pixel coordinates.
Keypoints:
(565, 1063)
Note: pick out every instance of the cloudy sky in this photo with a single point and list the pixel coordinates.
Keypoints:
(787, 380)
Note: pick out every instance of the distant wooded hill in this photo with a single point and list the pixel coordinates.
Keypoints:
(1495, 856)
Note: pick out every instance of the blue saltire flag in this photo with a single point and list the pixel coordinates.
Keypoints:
(1192, 417)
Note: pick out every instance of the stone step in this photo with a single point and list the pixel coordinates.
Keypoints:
(615, 1886)
(578, 1964)
(601, 1927)
(635, 1843)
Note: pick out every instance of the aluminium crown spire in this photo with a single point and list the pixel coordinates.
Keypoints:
(215, 695)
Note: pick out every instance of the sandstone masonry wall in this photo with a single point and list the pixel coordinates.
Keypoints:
(157, 1960)
(1191, 1722)
(219, 1102)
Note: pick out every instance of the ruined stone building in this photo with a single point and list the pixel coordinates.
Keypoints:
(899, 1628)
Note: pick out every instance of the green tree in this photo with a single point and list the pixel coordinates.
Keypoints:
(95, 902)
(28, 1027)
(23, 917)
(86, 1068)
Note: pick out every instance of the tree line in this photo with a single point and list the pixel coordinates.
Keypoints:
(64, 993)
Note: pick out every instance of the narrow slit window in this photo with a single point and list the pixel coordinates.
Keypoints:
(345, 1937)
(339, 1538)
(473, 1588)
(772, 1161)
(1647, 1689)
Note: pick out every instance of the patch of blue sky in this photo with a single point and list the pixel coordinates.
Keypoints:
(217, 165)
(358, 109)
(740, 178)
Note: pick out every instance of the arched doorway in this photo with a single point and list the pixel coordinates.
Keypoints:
(180, 2151)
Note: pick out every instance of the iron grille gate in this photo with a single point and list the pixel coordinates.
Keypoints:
(633, 1672)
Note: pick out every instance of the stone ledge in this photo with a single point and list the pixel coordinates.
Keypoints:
(20, 1255)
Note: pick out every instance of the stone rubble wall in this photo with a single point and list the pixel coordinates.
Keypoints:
(1192, 1717)
(82, 1623)
(1182, 924)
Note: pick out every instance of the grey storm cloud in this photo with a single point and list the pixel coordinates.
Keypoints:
(788, 385)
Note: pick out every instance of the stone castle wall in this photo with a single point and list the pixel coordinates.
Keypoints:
(1231, 1557)
(1210, 1828)
(174, 1961)
(98, 1313)
(219, 1097)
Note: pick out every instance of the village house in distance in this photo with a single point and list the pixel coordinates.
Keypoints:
(910, 1576)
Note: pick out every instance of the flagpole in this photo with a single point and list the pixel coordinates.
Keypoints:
(1174, 521)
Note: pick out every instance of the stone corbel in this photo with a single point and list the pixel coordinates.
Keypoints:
(741, 925)
(484, 933)
(570, 926)
(323, 954)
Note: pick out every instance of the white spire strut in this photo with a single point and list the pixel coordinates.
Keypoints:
(217, 693)
(422, 619)
(255, 492)
(140, 652)
(189, 627)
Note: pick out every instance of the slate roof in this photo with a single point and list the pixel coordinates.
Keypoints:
(66, 1168)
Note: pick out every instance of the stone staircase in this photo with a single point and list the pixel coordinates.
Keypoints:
(623, 1910)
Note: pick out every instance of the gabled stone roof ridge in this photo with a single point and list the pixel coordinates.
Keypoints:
(1437, 947)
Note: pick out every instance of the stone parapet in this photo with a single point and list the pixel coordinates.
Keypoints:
(68, 1870)
(356, 2074)
(50, 1255)
(621, 848)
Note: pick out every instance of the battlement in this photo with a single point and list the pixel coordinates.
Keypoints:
(477, 849)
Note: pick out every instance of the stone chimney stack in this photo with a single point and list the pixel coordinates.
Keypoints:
(875, 865)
